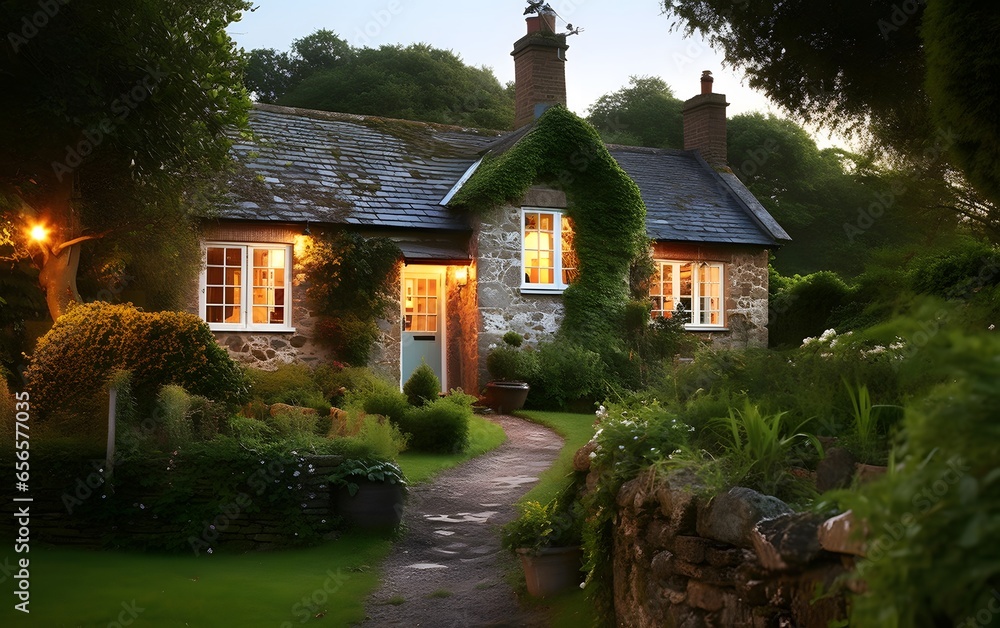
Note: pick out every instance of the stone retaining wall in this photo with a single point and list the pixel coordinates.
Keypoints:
(738, 559)
(241, 523)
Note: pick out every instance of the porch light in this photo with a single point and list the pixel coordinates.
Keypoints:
(462, 275)
(39, 233)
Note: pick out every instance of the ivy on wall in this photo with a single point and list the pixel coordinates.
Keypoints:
(353, 282)
(608, 214)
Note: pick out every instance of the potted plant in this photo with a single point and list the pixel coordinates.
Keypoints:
(369, 493)
(510, 366)
(547, 539)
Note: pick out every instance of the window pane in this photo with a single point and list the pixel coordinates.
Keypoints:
(570, 262)
(539, 249)
(268, 286)
(234, 257)
(215, 256)
(213, 314)
(662, 290)
(214, 276)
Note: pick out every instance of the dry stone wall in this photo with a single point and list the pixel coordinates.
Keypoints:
(737, 559)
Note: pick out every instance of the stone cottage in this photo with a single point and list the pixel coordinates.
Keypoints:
(466, 278)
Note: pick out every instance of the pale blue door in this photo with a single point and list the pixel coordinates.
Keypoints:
(423, 321)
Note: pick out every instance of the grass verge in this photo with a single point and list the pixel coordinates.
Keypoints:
(327, 584)
(484, 436)
(577, 429)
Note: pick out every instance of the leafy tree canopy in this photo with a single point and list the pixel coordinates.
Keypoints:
(861, 69)
(112, 129)
(645, 113)
(416, 82)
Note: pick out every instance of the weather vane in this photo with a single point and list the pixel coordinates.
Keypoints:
(541, 6)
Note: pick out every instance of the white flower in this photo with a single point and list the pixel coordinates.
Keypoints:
(991, 327)
(592, 455)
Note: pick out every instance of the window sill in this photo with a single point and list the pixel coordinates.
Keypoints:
(704, 328)
(529, 289)
(252, 330)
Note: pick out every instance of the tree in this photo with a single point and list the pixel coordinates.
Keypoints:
(962, 45)
(645, 113)
(861, 69)
(416, 82)
(113, 128)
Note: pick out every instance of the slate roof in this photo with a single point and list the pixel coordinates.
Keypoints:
(322, 167)
(325, 167)
(689, 201)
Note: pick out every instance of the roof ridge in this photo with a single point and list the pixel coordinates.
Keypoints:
(334, 116)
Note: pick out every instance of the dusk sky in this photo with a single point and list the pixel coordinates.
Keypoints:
(620, 39)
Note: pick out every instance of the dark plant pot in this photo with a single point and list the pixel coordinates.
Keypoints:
(506, 397)
(375, 505)
(551, 570)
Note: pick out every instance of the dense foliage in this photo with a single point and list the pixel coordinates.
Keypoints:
(416, 82)
(74, 360)
(646, 113)
(353, 282)
(115, 127)
(423, 386)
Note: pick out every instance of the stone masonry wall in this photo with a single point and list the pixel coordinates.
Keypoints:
(736, 559)
(746, 281)
(502, 306)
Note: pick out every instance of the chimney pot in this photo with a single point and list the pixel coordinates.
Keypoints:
(706, 82)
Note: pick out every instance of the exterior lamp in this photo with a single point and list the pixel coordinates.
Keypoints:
(462, 275)
(39, 233)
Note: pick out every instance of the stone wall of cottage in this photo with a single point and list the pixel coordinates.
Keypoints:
(268, 350)
(736, 559)
(746, 279)
(463, 330)
(502, 305)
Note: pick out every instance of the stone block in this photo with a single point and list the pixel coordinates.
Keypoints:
(704, 596)
(581, 461)
(725, 556)
(843, 534)
(731, 517)
(691, 548)
(787, 541)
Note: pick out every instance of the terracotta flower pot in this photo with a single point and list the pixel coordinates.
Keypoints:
(551, 570)
(506, 397)
(375, 505)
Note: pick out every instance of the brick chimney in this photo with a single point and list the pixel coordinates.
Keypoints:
(705, 123)
(539, 68)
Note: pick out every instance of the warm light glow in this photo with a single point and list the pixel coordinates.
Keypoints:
(462, 275)
(39, 233)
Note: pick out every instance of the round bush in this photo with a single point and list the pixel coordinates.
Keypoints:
(86, 345)
(423, 386)
(438, 427)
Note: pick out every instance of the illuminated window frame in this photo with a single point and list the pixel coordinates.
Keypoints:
(705, 309)
(552, 279)
(246, 291)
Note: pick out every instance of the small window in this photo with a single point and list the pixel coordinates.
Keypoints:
(689, 289)
(247, 286)
(549, 260)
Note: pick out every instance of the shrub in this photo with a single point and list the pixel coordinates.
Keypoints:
(423, 386)
(174, 406)
(566, 373)
(509, 363)
(295, 422)
(92, 340)
(7, 413)
(331, 380)
(804, 308)
(957, 273)
(386, 401)
(381, 436)
(347, 384)
(441, 426)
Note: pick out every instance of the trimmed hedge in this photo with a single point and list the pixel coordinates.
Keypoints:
(74, 360)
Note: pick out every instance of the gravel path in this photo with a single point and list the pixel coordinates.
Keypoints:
(448, 570)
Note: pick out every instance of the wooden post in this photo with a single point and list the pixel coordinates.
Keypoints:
(109, 462)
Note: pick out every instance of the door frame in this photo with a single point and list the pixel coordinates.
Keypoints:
(426, 269)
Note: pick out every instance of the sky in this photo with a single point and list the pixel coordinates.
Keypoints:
(620, 38)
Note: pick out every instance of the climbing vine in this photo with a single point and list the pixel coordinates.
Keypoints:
(353, 282)
(606, 208)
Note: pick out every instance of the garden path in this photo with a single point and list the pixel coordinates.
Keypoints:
(448, 569)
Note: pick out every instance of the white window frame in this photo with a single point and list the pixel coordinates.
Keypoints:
(557, 271)
(696, 287)
(246, 290)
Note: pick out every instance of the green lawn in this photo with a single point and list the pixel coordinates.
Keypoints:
(484, 436)
(577, 429)
(324, 586)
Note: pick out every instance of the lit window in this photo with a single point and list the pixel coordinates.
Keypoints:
(246, 286)
(549, 260)
(689, 289)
